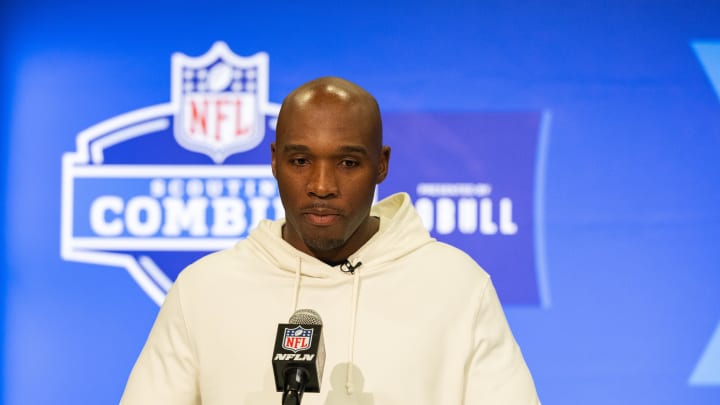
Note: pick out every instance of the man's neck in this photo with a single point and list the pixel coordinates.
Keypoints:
(340, 254)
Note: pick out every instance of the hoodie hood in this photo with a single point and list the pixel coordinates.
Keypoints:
(401, 232)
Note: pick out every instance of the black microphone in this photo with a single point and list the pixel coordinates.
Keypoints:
(347, 267)
(299, 356)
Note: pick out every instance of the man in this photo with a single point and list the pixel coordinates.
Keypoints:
(407, 319)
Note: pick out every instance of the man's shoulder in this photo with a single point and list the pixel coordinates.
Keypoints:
(449, 252)
(451, 260)
(231, 259)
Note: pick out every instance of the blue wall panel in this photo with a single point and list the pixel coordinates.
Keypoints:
(628, 205)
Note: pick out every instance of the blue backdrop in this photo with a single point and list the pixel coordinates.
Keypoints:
(630, 192)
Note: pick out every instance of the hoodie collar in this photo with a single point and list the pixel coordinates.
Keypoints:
(401, 231)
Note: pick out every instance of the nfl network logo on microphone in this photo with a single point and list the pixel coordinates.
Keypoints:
(297, 339)
(153, 189)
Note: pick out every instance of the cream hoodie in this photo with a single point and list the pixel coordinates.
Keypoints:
(418, 323)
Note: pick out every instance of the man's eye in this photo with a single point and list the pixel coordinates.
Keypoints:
(349, 163)
(299, 161)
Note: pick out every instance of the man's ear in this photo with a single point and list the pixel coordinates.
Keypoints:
(272, 158)
(383, 165)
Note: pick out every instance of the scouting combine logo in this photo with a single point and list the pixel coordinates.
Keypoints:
(153, 189)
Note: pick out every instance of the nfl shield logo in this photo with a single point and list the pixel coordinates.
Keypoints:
(297, 339)
(220, 100)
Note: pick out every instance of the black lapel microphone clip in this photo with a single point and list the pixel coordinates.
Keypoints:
(348, 267)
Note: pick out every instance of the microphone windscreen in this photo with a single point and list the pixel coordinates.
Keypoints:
(306, 317)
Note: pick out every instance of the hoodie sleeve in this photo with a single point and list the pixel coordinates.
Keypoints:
(166, 370)
(496, 370)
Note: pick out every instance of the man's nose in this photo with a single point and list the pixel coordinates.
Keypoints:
(323, 180)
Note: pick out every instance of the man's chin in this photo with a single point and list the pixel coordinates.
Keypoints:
(323, 244)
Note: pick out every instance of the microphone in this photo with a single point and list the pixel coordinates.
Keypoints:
(299, 356)
(348, 267)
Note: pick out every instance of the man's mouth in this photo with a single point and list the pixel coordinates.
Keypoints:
(321, 219)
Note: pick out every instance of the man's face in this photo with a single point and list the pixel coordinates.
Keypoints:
(327, 160)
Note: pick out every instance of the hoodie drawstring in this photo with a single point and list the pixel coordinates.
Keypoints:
(296, 291)
(349, 388)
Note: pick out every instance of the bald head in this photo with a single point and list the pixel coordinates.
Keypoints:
(346, 102)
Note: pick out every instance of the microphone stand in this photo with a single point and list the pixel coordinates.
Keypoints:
(291, 398)
(295, 380)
